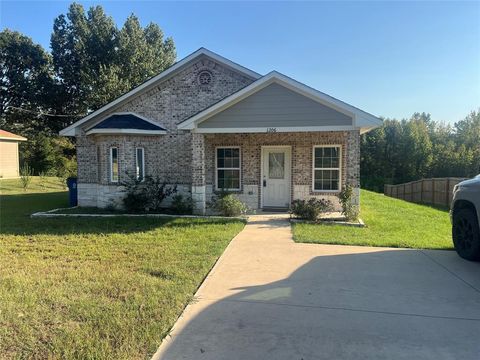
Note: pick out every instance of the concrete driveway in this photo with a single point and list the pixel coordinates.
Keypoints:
(269, 298)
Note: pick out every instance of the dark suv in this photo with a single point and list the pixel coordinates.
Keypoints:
(465, 217)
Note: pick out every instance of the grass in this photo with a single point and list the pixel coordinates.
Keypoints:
(390, 222)
(38, 185)
(76, 288)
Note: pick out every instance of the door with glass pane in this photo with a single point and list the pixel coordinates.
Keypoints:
(276, 176)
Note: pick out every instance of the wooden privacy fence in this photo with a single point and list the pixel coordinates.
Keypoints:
(436, 191)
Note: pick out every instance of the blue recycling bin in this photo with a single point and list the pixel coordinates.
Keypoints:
(72, 191)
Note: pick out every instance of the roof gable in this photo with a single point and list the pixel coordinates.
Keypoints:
(276, 106)
(361, 119)
(70, 130)
(126, 123)
(6, 135)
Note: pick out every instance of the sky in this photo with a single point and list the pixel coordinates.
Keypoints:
(388, 58)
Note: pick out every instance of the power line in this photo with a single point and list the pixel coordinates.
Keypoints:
(41, 113)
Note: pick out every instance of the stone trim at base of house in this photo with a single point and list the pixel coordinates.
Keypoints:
(102, 196)
(199, 200)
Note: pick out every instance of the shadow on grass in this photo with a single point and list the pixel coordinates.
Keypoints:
(15, 211)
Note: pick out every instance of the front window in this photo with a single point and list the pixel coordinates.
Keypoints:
(326, 168)
(114, 164)
(228, 168)
(139, 164)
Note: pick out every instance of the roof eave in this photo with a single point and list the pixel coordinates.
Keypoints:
(70, 130)
(13, 138)
(125, 132)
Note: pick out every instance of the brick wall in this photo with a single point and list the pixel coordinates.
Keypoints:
(188, 159)
(302, 158)
(169, 103)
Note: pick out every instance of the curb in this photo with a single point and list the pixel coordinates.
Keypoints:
(359, 223)
(53, 213)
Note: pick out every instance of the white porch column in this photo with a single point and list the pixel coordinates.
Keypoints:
(198, 174)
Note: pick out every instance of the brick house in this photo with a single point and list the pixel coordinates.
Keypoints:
(207, 123)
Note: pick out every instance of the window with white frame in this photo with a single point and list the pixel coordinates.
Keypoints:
(227, 165)
(139, 163)
(114, 164)
(326, 168)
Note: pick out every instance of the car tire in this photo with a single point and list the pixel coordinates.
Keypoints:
(466, 234)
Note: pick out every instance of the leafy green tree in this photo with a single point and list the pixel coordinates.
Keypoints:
(467, 132)
(142, 51)
(25, 82)
(96, 62)
(81, 45)
(417, 154)
(53, 155)
(406, 150)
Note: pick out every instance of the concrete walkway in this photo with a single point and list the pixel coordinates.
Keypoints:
(270, 298)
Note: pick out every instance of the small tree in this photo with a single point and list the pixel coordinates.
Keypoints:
(349, 209)
(26, 176)
(43, 179)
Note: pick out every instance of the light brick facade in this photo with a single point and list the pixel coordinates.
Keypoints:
(301, 144)
(188, 159)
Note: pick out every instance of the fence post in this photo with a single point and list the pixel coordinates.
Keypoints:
(433, 191)
(447, 193)
(421, 191)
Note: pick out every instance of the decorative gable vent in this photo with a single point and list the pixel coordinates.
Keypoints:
(204, 78)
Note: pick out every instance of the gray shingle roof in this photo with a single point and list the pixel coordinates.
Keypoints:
(126, 121)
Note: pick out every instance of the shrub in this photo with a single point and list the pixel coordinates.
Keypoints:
(111, 207)
(146, 195)
(182, 205)
(350, 210)
(135, 201)
(26, 173)
(311, 209)
(227, 204)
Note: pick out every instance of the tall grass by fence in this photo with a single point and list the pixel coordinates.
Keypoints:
(436, 191)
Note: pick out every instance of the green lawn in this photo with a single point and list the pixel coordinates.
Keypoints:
(76, 288)
(390, 222)
(37, 185)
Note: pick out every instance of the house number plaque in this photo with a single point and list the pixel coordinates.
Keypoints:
(271, 130)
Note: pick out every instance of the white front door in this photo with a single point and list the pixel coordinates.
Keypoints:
(276, 176)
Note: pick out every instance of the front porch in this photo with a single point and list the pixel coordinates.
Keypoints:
(268, 171)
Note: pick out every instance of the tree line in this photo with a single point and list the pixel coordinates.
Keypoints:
(90, 63)
(419, 147)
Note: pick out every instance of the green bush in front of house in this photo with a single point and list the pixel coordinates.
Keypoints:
(310, 209)
(227, 204)
(146, 195)
(182, 205)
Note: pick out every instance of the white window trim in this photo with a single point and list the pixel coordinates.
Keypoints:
(111, 165)
(143, 162)
(340, 164)
(239, 168)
